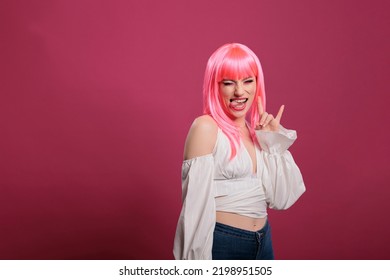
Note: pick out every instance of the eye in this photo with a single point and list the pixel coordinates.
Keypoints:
(227, 83)
(249, 81)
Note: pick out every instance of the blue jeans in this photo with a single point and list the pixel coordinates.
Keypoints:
(232, 243)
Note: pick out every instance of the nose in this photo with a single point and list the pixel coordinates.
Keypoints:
(239, 90)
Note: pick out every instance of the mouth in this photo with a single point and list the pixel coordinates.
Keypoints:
(238, 104)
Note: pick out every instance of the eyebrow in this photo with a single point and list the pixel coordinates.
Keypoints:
(250, 77)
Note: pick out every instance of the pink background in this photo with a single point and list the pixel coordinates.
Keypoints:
(96, 98)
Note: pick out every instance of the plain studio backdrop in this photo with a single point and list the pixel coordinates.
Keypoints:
(96, 99)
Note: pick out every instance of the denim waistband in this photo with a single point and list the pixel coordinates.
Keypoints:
(241, 232)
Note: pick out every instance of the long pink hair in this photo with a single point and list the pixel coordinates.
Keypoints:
(232, 61)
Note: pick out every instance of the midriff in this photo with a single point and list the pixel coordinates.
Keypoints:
(239, 221)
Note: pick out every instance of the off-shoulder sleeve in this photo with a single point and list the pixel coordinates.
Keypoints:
(281, 177)
(194, 232)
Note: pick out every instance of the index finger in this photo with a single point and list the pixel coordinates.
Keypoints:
(260, 105)
(279, 115)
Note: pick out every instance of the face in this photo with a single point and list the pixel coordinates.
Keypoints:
(237, 96)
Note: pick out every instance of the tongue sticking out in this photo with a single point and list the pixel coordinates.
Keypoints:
(238, 105)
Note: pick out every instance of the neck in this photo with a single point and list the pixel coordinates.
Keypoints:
(240, 124)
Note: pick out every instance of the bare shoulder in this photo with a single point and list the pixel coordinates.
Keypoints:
(201, 138)
(205, 124)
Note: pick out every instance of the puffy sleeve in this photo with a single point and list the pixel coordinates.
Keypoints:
(194, 232)
(281, 177)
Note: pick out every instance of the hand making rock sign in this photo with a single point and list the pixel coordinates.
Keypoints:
(267, 121)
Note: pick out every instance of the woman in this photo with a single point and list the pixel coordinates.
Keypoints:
(234, 169)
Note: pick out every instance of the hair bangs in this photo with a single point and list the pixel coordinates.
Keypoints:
(236, 65)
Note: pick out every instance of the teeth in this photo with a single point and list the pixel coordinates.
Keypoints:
(241, 100)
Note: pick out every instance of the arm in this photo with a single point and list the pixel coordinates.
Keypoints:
(194, 232)
(281, 176)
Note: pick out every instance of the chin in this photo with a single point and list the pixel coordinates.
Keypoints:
(237, 115)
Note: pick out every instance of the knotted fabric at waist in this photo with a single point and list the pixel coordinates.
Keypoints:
(243, 196)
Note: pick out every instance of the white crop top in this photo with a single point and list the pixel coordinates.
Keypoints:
(236, 189)
(213, 183)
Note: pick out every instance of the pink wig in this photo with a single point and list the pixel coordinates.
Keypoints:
(232, 61)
